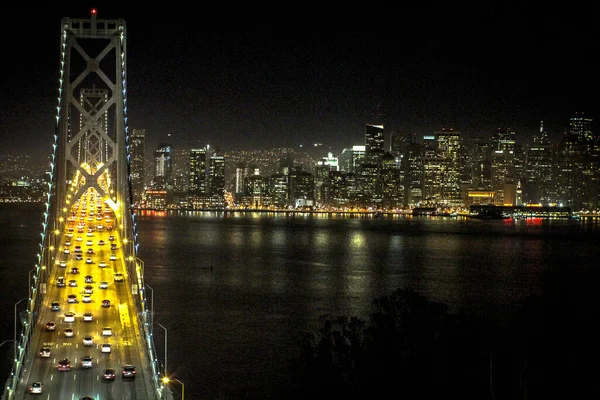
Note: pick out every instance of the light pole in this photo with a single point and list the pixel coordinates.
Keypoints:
(165, 379)
(15, 333)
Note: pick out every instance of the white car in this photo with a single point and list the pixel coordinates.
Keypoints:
(79, 239)
(67, 251)
(89, 243)
(87, 362)
(68, 243)
(102, 264)
(106, 348)
(63, 264)
(103, 285)
(88, 340)
(112, 257)
(88, 317)
(119, 277)
(69, 317)
(86, 298)
(69, 332)
(36, 388)
(106, 331)
(88, 261)
(89, 289)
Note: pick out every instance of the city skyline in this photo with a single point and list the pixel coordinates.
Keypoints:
(246, 84)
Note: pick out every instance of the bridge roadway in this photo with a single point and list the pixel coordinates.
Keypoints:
(121, 316)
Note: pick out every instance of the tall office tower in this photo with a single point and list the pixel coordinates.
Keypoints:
(449, 152)
(374, 143)
(240, 174)
(279, 189)
(576, 172)
(538, 171)
(257, 191)
(197, 172)
(392, 183)
(163, 166)
(350, 159)
(137, 151)
(414, 174)
(432, 172)
(322, 176)
(302, 189)
(181, 170)
(216, 181)
(503, 177)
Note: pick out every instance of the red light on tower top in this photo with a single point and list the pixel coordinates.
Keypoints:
(93, 11)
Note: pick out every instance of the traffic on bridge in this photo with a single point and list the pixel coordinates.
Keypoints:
(87, 342)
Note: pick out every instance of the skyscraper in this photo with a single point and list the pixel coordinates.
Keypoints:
(163, 166)
(137, 151)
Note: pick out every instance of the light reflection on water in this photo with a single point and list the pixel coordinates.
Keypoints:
(235, 325)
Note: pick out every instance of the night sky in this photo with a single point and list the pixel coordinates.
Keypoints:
(283, 77)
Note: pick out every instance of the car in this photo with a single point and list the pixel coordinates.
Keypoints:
(74, 270)
(68, 243)
(89, 243)
(112, 257)
(89, 279)
(87, 362)
(62, 264)
(111, 238)
(45, 352)
(88, 317)
(50, 326)
(64, 365)
(60, 281)
(128, 371)
(77, 249)
(90, 251)
(113, 246)
(106, 331)
(72, 283)
(79, 239)
(102, 264)
(69, 317)
(69, 332)
(101, 242)
(109, 374)
(89, 234)
(119, 277)
(86, 298)
(67, 251)
(72, 298)
(36, 388)
(103, 285)
(106, 348)
(78, 257)
(89, 289)
(88, 261)
(88, 340)
(55, 306)
(105, 303)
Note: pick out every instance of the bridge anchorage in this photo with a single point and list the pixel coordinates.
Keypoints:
(86, 314)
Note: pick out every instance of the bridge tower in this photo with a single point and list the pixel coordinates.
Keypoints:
(92, 138)
(90, 152)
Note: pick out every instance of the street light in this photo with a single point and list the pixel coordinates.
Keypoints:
(166, 381)
(15, 333)
(165, 372)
